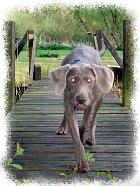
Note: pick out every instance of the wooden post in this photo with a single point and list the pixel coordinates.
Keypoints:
(96, 43)
(32, 48)
(100, 42)
(128, 63)
(91, 38)
(10, 54)
(37, 72)
(98, 38)
(30, 40)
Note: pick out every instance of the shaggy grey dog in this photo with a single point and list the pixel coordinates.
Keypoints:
(83, 81)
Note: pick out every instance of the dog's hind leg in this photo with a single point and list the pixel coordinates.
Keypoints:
(63, 127)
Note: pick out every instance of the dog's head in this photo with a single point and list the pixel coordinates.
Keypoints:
(80, 82)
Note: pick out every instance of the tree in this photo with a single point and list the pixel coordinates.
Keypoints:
(59, 23)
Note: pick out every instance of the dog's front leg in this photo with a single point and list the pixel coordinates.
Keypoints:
(63, 127)
(74, 130)
(91, 134)
(85, 123)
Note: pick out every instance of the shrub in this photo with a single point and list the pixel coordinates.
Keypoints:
(54, 47)
(41, 53)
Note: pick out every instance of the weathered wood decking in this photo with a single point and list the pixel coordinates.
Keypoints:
(35, 120)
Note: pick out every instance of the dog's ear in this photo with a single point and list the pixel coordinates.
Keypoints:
(58, 76)
(104, 77)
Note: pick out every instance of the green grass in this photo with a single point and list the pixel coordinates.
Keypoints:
(59, 52)
(108, 53)
(48, 64)
(109, 60)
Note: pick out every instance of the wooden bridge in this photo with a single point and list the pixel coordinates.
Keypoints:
(35, 119)
(37, 116)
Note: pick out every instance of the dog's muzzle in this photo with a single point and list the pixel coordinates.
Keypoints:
(80, 103)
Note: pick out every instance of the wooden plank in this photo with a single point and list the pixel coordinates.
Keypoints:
(60, 114)
(54, 106)
(61, 111)
(52, 124)
(48, 90)
(36, 118)
(98, 163)
(60, 98)
(115, 157)
(44, 134)
(44, 99)
(99, 141)
(57, 138)
(54, 119)
(57, 107)
(55, 175)
(59, 117)
(53, 128)
(60, 103)
(70, 148)
(104, 166)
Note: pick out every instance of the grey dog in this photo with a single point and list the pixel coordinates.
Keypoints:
(83, 81)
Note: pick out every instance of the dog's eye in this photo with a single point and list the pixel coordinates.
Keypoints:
(73, 80)
(89, 80)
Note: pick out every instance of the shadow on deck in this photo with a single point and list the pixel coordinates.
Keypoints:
(35, 120)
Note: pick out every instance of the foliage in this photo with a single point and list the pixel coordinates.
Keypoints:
(117, 88)
(59, 23)
(48, 64)
(90, 156)
(106, 18)
(99, 174)
(108, 176)
(87, 180)
(63, 174)
(111, 177)
(19, 152)
(26, 181)
(42, 53)
(54, 47)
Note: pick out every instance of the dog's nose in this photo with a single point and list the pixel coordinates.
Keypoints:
(80, 99)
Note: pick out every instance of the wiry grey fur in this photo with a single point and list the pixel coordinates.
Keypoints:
(82, 54)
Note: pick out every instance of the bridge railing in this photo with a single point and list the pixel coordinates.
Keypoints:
(13, 49)
(127, 63)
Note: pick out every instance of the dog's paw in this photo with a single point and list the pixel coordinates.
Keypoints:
(81, 132)
(90, 143)
(83, 167)
(61, 131)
